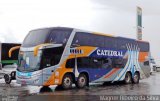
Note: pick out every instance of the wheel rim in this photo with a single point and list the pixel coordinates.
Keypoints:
(67, 81)
(82, 81)
(136, 77)
(128, 78)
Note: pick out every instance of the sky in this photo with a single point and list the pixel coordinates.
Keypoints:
(116, 17)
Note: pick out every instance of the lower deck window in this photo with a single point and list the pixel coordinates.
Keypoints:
(93, 62)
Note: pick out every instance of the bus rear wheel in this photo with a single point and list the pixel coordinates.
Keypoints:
(136, 78)
(128, 78)
(82, 81)
(67, 81)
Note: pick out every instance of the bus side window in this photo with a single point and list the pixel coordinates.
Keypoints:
(59, 36)
(97, 63)
(119, 62)
(88, 39)
(146, 63)
(107, 63)
(83, 62)
(70, 63)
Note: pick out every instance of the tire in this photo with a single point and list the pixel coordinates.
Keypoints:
(13, 75)
(128, 78)
(136, 78)
(67, 81)
(45, 89)
(7, 79)
(82, 81)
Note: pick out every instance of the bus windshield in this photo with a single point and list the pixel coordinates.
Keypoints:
(47, 35)
(29, 62)
(46, 58)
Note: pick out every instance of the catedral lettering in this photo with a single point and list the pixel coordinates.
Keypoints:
(65, 56)
(109, 53)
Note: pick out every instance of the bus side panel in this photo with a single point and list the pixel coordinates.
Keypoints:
(137, 61)
(144, 64)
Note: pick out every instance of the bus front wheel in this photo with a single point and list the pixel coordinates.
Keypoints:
(81, 81)
(128, 78)
(67, 81)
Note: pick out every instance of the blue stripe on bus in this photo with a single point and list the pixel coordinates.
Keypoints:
(126, 68)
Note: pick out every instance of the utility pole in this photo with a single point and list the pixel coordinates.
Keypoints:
(139, 23)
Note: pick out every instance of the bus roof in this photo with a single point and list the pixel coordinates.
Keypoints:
(51, 28)
(97, 33)
(103, 34)
(142, 41)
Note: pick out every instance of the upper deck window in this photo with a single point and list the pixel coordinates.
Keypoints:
(59, 36)
(36, 37)
(47, 35)
(88, 39)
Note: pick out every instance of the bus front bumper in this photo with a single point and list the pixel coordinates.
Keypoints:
(29, 78)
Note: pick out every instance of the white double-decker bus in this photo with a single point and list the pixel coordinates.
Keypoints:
(64, 56)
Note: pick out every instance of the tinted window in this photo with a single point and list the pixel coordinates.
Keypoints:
(70, 63)
(93, 62)
(144, 47)
(119, 62)
(96, 62)
(47, 35)
(88, 62)
(59, 36)
(123, 42)
(36, 37)
(110, 42)
(88, 39)
(83, 62)
(107, 62)
(146, 63)
(51, 56)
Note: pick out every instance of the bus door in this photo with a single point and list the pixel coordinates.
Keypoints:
(47, 69)
(50, 58)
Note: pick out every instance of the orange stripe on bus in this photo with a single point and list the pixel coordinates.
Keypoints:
(112, 72)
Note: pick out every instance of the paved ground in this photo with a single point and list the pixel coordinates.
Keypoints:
(149, 86)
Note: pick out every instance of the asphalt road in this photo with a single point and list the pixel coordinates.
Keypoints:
(149, 86)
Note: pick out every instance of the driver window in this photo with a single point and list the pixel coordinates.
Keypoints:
(51, 56)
